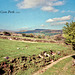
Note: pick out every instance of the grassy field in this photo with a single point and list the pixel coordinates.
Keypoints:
(64, 67)
(9, 48)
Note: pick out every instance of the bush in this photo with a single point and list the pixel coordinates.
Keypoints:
(43, 36)
(59, 37)
(27, 35)
(31, 35)
(23, 34)
(7, 33)
(39, 36)
(69, 32)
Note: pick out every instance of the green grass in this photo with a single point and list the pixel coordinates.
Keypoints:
(64, 67)
(9, 48)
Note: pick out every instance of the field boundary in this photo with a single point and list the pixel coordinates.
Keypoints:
(29, 40)
(49, 66)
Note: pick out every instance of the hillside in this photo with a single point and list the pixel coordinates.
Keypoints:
(41, 31)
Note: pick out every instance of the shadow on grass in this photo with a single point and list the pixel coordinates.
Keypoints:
(2, 71)
(73, 56)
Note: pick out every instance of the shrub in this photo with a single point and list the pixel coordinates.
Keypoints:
(39, 36)
(59, 37)
(43, 36)
(69, 33)
(7, 33)
(31, 35)
(27, 35)
(23, 34)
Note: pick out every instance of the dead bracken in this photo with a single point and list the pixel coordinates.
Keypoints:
(24, 63)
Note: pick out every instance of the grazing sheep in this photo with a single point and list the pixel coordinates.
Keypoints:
(53, 54)
(6, 57)
(18, 48)
(26, 47)
(40, 56)
(58, 53)
(10, 39)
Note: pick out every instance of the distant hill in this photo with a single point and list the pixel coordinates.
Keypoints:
(41, 31)
(2, 30)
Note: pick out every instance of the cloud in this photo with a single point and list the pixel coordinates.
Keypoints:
(59, 23)
(59, 19)
(16, 0)
(45, 5)
(49, 8)
(42, 25)
(67, 11)
(71, 11)
(63, 11)
(74, 19)
(23, 28)
(58, 3)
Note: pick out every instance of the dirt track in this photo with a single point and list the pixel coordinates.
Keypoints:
(49, 66)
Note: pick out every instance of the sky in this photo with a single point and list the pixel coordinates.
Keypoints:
(36, 14)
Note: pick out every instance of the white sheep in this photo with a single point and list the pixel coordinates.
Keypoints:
(18, 48)
(6, 57)
(10, 39)
(53, 54)
(58, 53)
(26, 47)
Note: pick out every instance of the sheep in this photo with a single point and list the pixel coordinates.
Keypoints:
(26, 47)
(53, 54)
(6, 57)
(10, 39)
(18, 48)
(58, 53)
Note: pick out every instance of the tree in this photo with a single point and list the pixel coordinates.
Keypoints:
(23, 34)
(69, 32)
(7, 33)
(39, 36)
(43, 36)
(31, 35)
